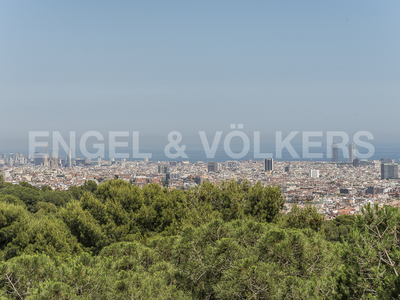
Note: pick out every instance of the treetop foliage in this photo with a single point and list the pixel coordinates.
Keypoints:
(231, 241)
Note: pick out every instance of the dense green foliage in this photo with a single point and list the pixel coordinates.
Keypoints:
(231, 241)
(372, 256)
(339, 228)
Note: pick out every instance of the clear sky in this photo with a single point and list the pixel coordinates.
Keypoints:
(158, 66)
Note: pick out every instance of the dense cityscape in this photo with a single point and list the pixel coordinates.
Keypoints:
(334, 187)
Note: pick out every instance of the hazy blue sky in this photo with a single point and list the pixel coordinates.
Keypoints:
(158, 66)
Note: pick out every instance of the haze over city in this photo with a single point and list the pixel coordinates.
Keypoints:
(199, 66)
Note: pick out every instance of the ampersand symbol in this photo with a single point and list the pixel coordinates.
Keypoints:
(174, 138)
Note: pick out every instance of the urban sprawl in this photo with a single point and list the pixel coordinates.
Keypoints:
(334, 187)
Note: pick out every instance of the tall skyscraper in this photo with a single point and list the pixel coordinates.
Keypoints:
(268, 164)
(352, 152)
(314, 173)
(69, 158)
(335, 153)
(393, 171)
(163, 169)
(389, 171)
(172, 175)
(212, 166)
(45, 161)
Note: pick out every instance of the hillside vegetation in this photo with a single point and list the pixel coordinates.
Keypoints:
(231, 241)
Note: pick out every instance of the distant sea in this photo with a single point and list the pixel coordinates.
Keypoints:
(196, 153)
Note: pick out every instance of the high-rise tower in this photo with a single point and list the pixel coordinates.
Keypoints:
(212, 166)
(335, 152)
(389, 171)
(69, 158)
(352, 152)
(268, 164)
